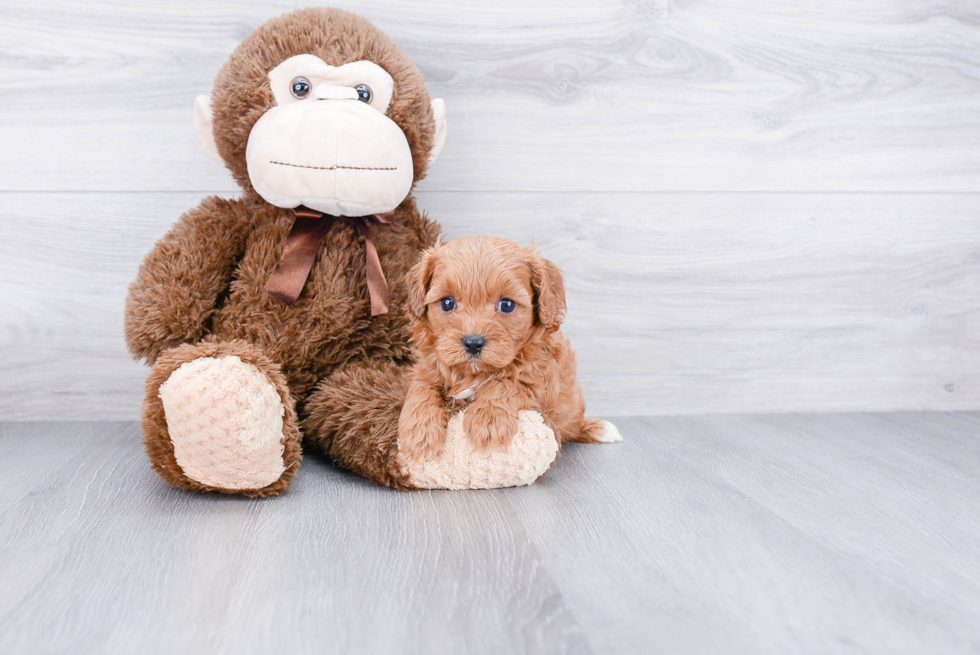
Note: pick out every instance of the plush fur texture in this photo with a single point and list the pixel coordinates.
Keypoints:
(200, 292)
(525, 364)
(352, 417)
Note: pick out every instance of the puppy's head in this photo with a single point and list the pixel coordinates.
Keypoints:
(477, 301)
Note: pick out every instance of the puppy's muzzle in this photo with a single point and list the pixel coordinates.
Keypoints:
(474, 343)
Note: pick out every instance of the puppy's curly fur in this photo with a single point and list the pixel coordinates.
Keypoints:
(490, 289)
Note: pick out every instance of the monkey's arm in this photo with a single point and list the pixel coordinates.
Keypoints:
(180, 280)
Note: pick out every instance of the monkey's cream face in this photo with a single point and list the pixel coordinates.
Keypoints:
(327, 144)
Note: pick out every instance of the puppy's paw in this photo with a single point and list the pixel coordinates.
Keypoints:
(422, 437)
(489, 427)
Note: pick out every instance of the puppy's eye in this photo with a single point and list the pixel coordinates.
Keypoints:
(300, 87)
(506, 306)
(448, 304)
(364, 93)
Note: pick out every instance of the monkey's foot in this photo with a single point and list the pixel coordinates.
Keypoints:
(225, 421)
(462, 466)
(218, 417)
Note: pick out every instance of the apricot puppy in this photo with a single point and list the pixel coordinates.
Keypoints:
(485, 317)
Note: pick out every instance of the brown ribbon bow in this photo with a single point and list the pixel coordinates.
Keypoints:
(302, 244)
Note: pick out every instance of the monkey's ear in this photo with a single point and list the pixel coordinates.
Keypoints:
(202, 121)
(439, 139)
(549, 291)
(419, 279)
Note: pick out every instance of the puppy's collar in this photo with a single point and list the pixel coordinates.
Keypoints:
(465, 394)
(469, 392)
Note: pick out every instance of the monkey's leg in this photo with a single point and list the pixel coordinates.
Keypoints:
(352, 417)
(218, 416)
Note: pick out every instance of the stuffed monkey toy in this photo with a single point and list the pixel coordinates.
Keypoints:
(279, 316)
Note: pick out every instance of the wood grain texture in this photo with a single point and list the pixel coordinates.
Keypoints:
(678, 303)
(758, 207)
(782, 534)
(726, 534)
(550, 95)
(101, 556)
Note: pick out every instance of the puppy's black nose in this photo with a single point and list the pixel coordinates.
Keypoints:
(474, 343)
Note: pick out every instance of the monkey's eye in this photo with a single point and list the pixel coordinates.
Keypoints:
(300, 87)
(448, 304)
(506, 306)
(364, 93)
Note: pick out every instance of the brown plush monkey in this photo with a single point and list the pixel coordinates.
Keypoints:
(281, 313)
(251, 342)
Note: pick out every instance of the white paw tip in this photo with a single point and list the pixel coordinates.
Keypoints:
(609, 434)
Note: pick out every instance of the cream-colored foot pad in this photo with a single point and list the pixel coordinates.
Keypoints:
(459, 466)
(225, 421)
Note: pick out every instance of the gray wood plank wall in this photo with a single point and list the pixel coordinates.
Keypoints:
(757, 206)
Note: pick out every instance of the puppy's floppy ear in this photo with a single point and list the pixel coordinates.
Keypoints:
(549, 290)
(419, 279)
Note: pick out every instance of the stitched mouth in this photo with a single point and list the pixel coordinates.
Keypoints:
(334, 168)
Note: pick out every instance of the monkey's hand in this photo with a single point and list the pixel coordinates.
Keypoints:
(462, 465)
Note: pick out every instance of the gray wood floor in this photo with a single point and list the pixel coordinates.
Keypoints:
(720, 534)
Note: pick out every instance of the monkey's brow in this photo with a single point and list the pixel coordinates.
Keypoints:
(333, 168)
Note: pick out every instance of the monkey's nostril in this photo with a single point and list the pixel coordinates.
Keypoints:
(473, 343)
